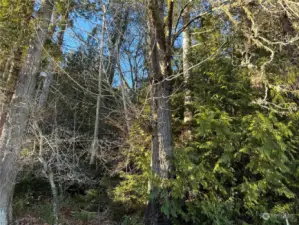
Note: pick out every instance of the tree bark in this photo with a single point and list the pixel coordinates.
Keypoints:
(94, 144)
(46, 86)
(153, 208)
(186, 70)
(116, 42)
(10, 80)
(162, 63)
(155, 71)
(164, 129)
(160, 55)
(124, 100)
(15, 125)
(54, 195)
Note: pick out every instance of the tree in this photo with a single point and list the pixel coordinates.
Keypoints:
(185, 108)
(228, 114)
(15, 18)
(99, 94)
(186, 68)
(15, 125)
(160, 45)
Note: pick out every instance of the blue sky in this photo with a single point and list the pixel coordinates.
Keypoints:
(82, 27)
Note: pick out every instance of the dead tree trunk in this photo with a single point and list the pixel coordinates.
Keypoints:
(15, 125)
(94, 144)
(48, 172)
(42, 102)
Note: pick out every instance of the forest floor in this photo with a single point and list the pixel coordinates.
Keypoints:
(69, 214)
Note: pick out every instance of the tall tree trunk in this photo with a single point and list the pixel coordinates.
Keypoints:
(162, 85)
(94, 144)
(164, 129)
(121, 23)
(124, 100)
(14, 128)
(153, 208)
(10, 84)
(186, 70)
(161, 66)
(155, 71)
(114, 56)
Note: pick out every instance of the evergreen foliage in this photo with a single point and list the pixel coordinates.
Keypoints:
(238, 165)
